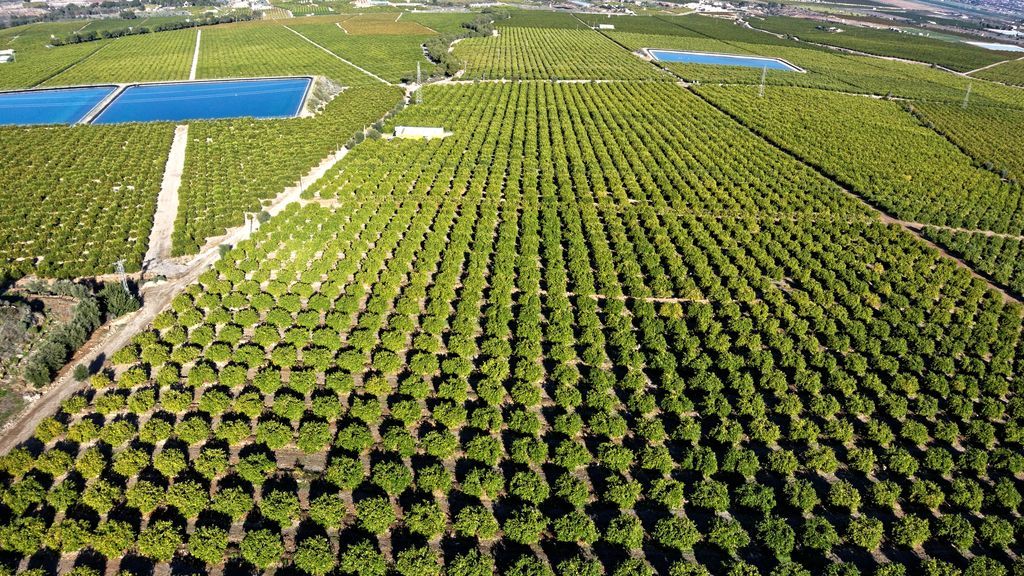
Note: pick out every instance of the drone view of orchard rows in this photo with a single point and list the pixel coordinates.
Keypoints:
(626, 317)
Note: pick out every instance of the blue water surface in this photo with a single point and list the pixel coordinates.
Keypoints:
(721, 60)
(60, 106)
(271, 98)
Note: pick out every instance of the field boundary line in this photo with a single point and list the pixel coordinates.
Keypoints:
(968, 73)
(363, 70)
(195, 56)
(115, 334)
(161, 233)
(1007, 294)
(972, 231)
(71, 65)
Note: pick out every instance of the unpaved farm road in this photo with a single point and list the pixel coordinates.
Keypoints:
(114, 335)
(108, 339)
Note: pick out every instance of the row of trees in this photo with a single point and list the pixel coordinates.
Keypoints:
(905, 168)
(438, 48)
(232, 166)
(76, 199)
(107, 33)
(523, 335)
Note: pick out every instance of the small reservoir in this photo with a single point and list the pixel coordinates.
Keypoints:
(175, 102)
(686, 57)
(997, 46)
(52, 106)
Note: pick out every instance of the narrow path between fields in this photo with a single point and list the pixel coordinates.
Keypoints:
(195, 56)
(977, 231)
(885, 217)
(363, 70)
(167, 201)
(913, 228)
(113, 336)
(992, 65)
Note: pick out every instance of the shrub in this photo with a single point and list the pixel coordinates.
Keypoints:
(208, 544)
(425, 518)
(576, 527)
(418, 562)
(476, 521)
(626, 531)
(911, 531)
(281, 507)
(728, 535)
(525, 525)
(314, 556)
(159, 541)
(677, 532)
(262, 548)
(778, 536)
(363, 559)
(375, 514)
(866, 533)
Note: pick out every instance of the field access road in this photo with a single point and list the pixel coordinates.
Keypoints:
(160, 236)
(112, 336)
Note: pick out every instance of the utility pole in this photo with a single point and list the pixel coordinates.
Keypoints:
(967, 97)
(119, 267)
(764, 73)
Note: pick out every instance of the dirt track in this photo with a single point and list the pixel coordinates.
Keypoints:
(167, 202)
(113, 336)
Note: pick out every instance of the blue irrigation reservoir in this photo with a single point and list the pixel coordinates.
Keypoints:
(175, 102)
(56, 106)
(722, 60)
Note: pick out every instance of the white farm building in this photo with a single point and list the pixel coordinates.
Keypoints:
(6, 56)
(427, 132)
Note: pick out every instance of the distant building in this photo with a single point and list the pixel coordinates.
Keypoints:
(606, 26)
(426, 132)
(6, 56)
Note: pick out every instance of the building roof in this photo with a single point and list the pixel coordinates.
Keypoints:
(420, 132)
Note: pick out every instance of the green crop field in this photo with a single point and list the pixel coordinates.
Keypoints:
(959, 57)
(232, 166)
(268, 49)
(878, 149)
(160, 56)
(615, 318)
(393, 56)
(533, 53)
(1011, 72)
(37, 62)
(987, 133)
(997, 256)
(75, 200)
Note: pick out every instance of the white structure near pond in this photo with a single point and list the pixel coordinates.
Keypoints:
(426, 132)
